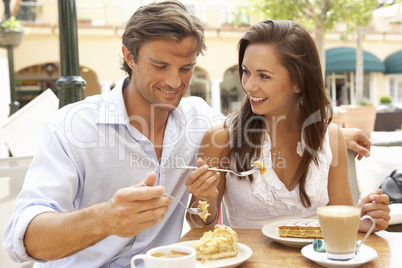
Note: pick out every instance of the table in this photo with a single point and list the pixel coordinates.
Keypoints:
(268, 253)
(386, 138)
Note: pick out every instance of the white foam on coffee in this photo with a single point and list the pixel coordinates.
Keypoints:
(339, 210)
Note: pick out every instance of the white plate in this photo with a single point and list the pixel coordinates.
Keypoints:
(244, 253)
(364, 255)
(271, 230)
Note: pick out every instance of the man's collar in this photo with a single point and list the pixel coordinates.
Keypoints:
(112, 110)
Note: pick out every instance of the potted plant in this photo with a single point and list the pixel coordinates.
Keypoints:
(395, 25)
(389, 117)
(84, 21)
(385, 99)
(228, 26)
(11, 32)
(362, 116)
(244, 26)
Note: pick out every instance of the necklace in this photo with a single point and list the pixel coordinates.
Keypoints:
(281, 157)
(274, 144)
(278, 155)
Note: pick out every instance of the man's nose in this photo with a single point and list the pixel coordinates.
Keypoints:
(173, 79)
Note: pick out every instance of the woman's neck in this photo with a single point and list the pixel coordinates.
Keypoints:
(284, 125)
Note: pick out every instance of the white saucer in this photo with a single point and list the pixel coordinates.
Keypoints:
(364, 255)
(244, 253)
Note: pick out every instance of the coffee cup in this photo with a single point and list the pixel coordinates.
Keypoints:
(339, 225)
(171, 256)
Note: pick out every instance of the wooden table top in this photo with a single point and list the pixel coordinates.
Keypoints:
(268, 253)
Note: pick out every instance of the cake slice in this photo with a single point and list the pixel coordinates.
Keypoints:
(301, 229)
(203, 206)
(219, 244)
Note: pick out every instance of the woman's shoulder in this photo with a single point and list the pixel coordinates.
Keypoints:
(217, 134)
(332, 127)
(215, 142)
(334, 132)
(336, 141)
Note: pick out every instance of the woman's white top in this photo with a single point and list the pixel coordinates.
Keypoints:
(266, 199)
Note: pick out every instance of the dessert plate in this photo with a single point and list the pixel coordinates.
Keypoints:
(244, 253)
(271, 230)
(364, 255)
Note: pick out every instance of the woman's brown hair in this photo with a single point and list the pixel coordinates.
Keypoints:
(297, 51)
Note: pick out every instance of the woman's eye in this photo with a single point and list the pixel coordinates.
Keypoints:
(159, 66)
(263, 76)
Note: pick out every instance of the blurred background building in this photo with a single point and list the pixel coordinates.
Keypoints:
(101, 24)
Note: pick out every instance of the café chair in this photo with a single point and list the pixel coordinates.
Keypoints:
(12, 175)
(21, 131)
(372, 171)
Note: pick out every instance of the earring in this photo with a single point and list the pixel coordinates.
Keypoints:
(300, 103)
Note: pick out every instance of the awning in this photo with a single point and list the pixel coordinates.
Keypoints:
(393, 63)
(343, 60)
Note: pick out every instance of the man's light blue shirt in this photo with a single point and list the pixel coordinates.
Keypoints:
(87, 152)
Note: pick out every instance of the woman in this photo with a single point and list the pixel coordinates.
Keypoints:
(284, 122)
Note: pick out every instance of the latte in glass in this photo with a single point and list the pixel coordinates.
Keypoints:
(339, 226)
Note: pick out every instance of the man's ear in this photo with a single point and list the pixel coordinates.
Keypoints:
(128, 57)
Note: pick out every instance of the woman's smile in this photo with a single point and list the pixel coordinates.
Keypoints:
(257, 100)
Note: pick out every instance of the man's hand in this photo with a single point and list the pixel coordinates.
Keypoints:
(357, 141)
(56, 235)
(375, 205)
(136, 208)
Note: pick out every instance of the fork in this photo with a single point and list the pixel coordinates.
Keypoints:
(240, 174)
(196, 211)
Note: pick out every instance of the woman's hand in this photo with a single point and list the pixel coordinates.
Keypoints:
(202, 182)
(357, 141)
(375, 205)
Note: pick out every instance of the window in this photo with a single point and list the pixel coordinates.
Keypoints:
(395, 89)
(29, 11)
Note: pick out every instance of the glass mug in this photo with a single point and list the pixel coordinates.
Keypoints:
(171, 256)
(339, 225)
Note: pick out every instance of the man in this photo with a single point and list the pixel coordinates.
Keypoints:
(84, 204)
(94, 194)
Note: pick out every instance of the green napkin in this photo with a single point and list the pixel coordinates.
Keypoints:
(319, 245)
